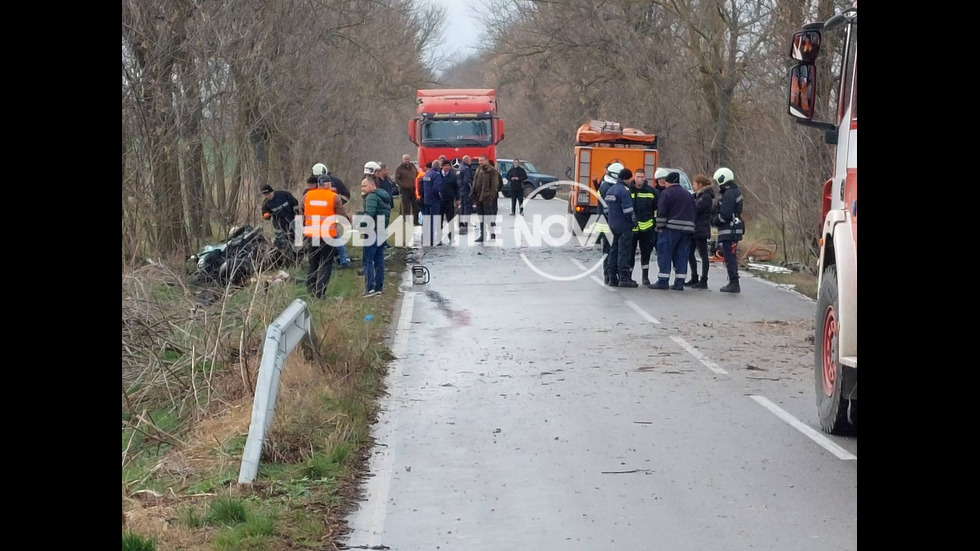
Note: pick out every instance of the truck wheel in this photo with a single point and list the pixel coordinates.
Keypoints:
(828, 376)
(582, 219)
(528, 189)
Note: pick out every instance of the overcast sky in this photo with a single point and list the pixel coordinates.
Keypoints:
(460, 35)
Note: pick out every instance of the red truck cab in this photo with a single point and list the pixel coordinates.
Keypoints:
(456, 122)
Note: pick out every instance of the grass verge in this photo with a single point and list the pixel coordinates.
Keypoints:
(190, 361)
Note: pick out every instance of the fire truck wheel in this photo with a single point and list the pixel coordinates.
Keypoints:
(832, 406)
(582, 219)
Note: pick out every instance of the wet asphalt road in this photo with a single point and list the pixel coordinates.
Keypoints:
(529, 413)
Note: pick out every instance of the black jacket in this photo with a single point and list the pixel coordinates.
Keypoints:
(729, 221)
(704, 202)
(516, 176)
(388, 185)
(466, 182)
(339, 187)
(450, 187)
(281, 207)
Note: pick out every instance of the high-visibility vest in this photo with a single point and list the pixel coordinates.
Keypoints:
(644, 225)
(318, 203)
(418, 184)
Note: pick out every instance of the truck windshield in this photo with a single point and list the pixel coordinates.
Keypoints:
(474, 132)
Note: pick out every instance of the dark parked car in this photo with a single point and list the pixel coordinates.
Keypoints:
(535, 179)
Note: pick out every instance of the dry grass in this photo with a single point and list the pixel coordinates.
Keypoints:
(188, 377)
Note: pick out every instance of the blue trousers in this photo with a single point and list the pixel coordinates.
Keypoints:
(673, 248)
(342, 255)
(728, 252)
(374, 267)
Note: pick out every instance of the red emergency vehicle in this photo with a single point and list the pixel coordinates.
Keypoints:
(835, 356)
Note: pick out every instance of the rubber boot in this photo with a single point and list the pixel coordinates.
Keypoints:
(646, 276)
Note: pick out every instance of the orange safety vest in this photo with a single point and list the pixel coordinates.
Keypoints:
(418, 184)
(318, 202)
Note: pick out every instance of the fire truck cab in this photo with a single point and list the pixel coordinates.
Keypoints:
(835, 343)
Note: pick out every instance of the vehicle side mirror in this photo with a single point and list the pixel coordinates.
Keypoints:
(802, 90)
(805, 46)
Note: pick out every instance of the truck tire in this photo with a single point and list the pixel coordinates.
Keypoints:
(582, 219)
(832, 406)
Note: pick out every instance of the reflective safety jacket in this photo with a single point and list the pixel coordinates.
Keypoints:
(318, 203)
(645, 206)
(729, 221)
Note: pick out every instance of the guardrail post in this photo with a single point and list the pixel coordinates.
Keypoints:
(281, 337)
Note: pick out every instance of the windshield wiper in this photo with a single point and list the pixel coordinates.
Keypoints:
(469, 141)
(435, 141)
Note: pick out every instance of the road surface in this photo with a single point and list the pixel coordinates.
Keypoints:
(533, 413)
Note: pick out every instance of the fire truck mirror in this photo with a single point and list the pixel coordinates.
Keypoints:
(806, 45)
(802, 89)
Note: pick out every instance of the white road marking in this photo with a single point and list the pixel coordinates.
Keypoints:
(820, 439)
(701, 357)
(404, 323)
(594, 278)
(640, 311)
(378, 486)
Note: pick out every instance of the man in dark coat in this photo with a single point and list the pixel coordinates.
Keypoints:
(432, 205)
(675, 223)
(486, 185)
(449, 196)
(516, 176)
(465, 177)
(280, 207)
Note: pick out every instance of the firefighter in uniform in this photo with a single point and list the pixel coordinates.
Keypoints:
(601, 226)
(622, 220)
(320, 207)
(644, 235)
(730, 225)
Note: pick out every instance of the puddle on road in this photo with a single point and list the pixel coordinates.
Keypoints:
(460, 317)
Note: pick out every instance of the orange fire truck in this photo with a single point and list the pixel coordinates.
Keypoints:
(835, 355)
(597, 145)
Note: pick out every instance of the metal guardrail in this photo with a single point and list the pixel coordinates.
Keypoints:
(280, 338)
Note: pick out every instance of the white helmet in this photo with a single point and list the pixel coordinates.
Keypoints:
(660, 173)
(724, 175)
(371, 167)
(612, 173)
(319, 169)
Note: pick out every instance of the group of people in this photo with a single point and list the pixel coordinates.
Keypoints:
(443, 191)
(639, 215)
(326, 196)
(670, 218)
